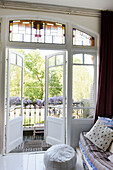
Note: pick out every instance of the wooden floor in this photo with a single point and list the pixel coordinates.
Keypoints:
(27, 161)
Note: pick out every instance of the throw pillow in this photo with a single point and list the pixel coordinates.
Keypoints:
(100, 135)
(106, 121)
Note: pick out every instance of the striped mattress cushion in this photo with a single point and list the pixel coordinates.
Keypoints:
(106, 121)
(97, 159)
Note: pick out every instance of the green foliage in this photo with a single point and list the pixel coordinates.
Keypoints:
(55, 86)
(34, 75)
(82, 80)
(15, 81)
(34, 79)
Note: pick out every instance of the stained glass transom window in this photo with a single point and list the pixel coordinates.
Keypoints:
(37, 31)
(82, 39)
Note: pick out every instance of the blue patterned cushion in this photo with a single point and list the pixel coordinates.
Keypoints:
(106, 121)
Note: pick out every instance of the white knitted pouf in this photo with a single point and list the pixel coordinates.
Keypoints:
(60, 157)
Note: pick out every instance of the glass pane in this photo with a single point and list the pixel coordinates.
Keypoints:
(88, 59)
(83, 86)
(81, 38)
(15, 90)
(59, 59)
(19, 61)
(55, 88)
(82, 113)
(13, 58)
(78, 59)
(54, 33)
(20, 30)
(52, 61)
(14, 112)
(55, 112)
(37, 31)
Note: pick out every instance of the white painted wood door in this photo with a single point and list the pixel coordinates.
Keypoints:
(55, 78)
(14, 117)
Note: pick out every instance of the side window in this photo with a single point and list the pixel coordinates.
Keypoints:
(83, 86)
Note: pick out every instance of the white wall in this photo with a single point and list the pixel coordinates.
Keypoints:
(77, 127)
(91, 23)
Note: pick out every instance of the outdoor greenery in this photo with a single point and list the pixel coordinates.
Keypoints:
(55, 82)
(34, 77)
(34, 80)
(15, 81)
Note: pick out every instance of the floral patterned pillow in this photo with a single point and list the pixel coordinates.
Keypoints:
(100, 135)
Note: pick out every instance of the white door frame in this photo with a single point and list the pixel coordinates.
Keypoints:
(68, 46)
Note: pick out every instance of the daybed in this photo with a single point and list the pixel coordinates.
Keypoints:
(93, 157)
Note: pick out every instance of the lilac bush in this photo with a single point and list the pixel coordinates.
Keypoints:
(40, 103)
(56, 100)
(27, 101)
(14, 101)
(52, 100)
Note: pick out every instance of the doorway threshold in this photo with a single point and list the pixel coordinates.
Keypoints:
(31, 146)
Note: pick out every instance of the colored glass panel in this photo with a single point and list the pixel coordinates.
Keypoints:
(37, 31)
(20, 30)
(82, 39)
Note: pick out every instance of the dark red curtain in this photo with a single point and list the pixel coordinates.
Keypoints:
(104, 105)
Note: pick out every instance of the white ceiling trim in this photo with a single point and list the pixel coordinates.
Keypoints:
(49, 8)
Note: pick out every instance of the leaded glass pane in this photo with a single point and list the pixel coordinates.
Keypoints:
(20, 30)
(37, 31)
(82, 39)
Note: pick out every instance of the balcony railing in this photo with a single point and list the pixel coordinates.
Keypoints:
(33, 114)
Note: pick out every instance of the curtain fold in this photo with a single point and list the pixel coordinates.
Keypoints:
(104, 105)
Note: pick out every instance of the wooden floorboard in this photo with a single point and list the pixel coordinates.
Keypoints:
(28, 161)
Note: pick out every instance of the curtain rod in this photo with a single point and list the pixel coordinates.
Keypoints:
(16, 5)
